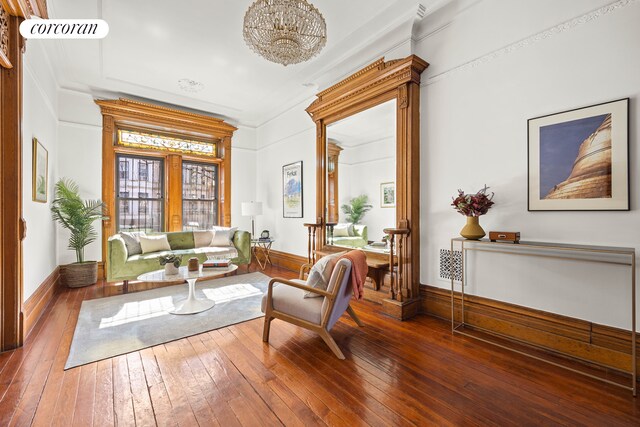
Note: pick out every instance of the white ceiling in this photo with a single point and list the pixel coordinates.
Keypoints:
(375, 124)
(152, 44)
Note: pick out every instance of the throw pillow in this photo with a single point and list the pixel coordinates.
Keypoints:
(223, 236)
(320, 273)
(202, 239)
(154, 243)
(341, 230)
(132, 242)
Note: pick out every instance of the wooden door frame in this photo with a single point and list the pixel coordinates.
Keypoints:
(135, 115)
(376, 83)
(12, 225)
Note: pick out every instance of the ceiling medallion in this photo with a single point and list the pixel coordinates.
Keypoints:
(284, 31)
(189, 85)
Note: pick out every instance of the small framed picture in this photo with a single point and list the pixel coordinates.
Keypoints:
(388, 195)
(579, 159)
(40, 169)
(292, 190)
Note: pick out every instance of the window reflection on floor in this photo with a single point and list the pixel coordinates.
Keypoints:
(135, 311)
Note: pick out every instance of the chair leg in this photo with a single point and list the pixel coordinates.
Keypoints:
(354, 316)
(328, 339)
(267, 329)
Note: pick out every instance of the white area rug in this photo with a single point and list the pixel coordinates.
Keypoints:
(112, 326)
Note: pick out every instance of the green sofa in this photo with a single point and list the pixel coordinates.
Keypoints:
(357, 240)
(121, 266)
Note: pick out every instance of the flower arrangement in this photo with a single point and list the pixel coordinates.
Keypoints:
(170, 259)
(473, 204)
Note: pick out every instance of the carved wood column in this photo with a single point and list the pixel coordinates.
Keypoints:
(225, 184)
(174, 192)
(108, 181)
(12, 226)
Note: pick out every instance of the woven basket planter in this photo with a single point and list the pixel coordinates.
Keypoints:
(77, 275)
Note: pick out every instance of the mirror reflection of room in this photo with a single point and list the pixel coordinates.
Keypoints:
(361, 174)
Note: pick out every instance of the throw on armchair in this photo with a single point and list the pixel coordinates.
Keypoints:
(124, 266)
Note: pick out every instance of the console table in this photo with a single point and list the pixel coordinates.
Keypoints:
(586, 253)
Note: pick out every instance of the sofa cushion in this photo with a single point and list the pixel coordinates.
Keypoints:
(202, 239)
(223, 236)
(132, 242)
(154, 243)
(343, 230)
(290, 300)
(181, 240)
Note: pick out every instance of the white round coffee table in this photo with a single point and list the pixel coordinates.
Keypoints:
(191, 305)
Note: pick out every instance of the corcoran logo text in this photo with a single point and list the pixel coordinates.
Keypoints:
(64, 29)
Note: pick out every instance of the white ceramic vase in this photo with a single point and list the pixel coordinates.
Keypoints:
(170, 269)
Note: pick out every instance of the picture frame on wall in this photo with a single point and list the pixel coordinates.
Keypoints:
(578, 160)
(388, 195)
(40, 171)
(292, 190)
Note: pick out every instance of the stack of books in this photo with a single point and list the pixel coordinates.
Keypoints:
(221, 264)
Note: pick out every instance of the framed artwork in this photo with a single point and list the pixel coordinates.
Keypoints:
(579, 159)
(388, 195)
(292, 190)
(39, 176)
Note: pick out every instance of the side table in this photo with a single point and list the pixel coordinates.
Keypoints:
(261, 249)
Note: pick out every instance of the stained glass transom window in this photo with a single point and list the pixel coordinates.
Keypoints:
(164, 143)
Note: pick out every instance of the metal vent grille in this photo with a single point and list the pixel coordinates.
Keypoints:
(445, 265)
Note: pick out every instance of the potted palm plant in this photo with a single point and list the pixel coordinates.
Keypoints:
(357, 207)
(77, 216)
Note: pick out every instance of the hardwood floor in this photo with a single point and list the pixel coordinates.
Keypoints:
(410, 373)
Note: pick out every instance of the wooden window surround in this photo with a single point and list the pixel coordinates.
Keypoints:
(128, 115)
(379, 82)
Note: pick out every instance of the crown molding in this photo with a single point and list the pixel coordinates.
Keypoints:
(526, 42)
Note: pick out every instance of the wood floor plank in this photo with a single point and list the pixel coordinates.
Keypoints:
(217, 400)
(189, 413)
(23, 394)
(122, 397)
(83, 411)
(142, 408)
(103, 407)
(260, 378)
(162, 408)
(395, 373)
(49, 399)
(322, 403)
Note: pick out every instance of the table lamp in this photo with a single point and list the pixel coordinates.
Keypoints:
(252, 209)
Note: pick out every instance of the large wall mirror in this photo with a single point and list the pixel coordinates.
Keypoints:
(368, 159)
(361, 175)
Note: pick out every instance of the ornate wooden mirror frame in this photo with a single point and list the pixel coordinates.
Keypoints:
(379, 82)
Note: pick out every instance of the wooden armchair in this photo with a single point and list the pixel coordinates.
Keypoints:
(286, 302)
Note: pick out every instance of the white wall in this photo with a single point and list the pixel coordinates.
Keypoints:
(474, 132)
(39, 121)
(375, 162)
(286, 139)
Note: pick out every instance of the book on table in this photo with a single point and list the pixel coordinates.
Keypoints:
(216, 263)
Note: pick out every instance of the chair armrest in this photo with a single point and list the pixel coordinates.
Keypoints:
(304, 268)
(299, 286)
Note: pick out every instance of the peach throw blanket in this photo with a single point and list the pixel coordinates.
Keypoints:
(359, 269)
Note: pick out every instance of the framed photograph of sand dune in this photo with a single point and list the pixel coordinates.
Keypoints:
(578, 160)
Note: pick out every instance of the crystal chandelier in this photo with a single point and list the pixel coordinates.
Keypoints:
(284, 31)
